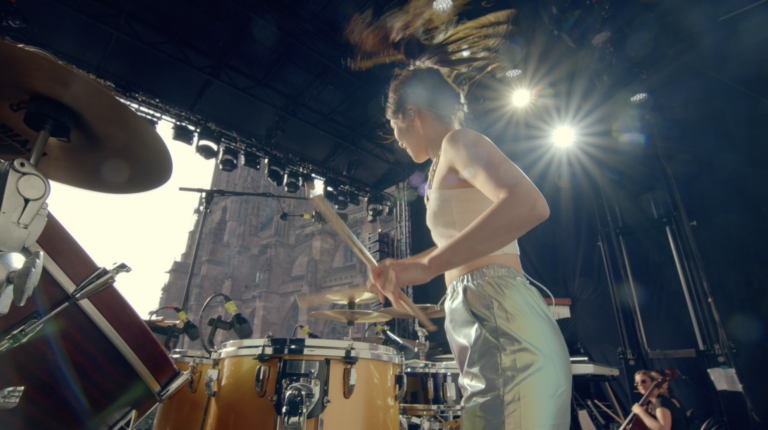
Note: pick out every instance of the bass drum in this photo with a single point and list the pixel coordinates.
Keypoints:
(432, 389)
(185, 408)
(90, 365)
(264, 384)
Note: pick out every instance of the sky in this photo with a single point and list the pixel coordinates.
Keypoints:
(146, 231)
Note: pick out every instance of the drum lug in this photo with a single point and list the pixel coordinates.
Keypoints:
(350, 377)
(449, 391)
(262, 376)
(9, 397)
(298, 400)
(326, 401)
(210, 380)
(401, 381)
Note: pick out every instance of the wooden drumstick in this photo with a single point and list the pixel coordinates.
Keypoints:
(346, 234)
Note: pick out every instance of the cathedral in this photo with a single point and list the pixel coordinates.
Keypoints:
(262, 261)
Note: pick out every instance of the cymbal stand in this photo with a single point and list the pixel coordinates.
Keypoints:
(23, 207)
(350, 324)
(423, 345)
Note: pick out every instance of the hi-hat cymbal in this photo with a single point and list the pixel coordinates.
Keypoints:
(344, 315)
(344, 297)
(110, 149)
(431, 311)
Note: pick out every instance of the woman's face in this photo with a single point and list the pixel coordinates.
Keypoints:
(408, 136)
(643, 383)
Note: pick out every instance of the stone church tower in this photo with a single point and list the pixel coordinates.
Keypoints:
(262, 262)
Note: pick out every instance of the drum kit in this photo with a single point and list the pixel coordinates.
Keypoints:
(313, 383)
(74, 354)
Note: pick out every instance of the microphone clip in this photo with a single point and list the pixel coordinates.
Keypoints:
(238, 323)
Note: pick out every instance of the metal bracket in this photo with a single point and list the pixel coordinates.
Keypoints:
(210, 382)
(401, 382)
(23, 212)
(9, 397)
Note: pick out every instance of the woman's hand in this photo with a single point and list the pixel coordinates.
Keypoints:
(637, 409)
(392, 275)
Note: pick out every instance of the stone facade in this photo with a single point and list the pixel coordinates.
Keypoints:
(262, 263)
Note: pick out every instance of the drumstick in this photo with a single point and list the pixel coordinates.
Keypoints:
(346, 234)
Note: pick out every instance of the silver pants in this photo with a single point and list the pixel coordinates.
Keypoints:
(515, 367)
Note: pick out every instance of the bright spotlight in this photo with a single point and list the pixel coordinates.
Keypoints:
(563, 136)
(521, 98)
(639, 98)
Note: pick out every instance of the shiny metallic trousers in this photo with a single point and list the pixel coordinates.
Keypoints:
(515, 367)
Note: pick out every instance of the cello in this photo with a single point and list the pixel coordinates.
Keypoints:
(637, 424)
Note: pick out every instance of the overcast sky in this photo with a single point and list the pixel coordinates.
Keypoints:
(147, 231)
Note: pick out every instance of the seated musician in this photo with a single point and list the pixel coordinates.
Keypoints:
(661, 412)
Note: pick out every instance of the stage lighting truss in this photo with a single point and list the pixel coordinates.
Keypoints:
(183, 134)
(208, 141)
(374, 206)
(275, 171)
(292, 181)
(228, 158)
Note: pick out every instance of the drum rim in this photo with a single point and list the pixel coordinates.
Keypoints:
(310, 352)
(191, 356)
(312, 343)
(431, 367)
(433, 409)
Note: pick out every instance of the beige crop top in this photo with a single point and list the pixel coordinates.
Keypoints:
(450, 211)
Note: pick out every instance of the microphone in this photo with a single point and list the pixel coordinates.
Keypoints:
(190, 329)
(390, 339)
(241, 326)
(308, 333)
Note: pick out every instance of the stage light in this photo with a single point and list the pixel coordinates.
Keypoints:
(275, 171)
(563, 136)
(309, 181)
(639, 98)
(521, 98)
(465, 51)
(329, 191)
(342, 200)
(228, 159)
(514, 73)
(208, 141)
(374, 207)
(292, 181)
(183, 134)
(442, 6)
(251, 160)
(354, 199)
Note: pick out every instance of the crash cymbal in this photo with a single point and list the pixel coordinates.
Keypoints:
(431, 311)
(343, 315)
(110, 148)
(344, 297)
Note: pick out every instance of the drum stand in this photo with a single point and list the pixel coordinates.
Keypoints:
(94, 284)
(23, 208)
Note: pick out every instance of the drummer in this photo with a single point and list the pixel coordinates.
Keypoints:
(510, 352)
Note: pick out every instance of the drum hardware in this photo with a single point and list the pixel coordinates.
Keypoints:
(307, 332)
(423, 345)
(93, 284)
(9, 397)
(238, 323)
(350, 376)
(350, 316)
(210, 380)
(401, 381)
(262, 376)
(22, 274)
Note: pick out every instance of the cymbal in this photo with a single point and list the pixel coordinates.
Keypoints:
(344, 297)
(110, 149)
(344, 315)
(431, 311)
(380, 340)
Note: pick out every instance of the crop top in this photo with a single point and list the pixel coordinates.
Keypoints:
(450, 211)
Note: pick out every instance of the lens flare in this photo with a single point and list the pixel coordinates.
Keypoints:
(521, 98)
(564, 136)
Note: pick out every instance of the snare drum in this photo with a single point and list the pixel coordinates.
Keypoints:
(433, 389)
(185, 409)
(265, 384)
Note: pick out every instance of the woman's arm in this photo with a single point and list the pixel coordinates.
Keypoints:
(518, 205)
